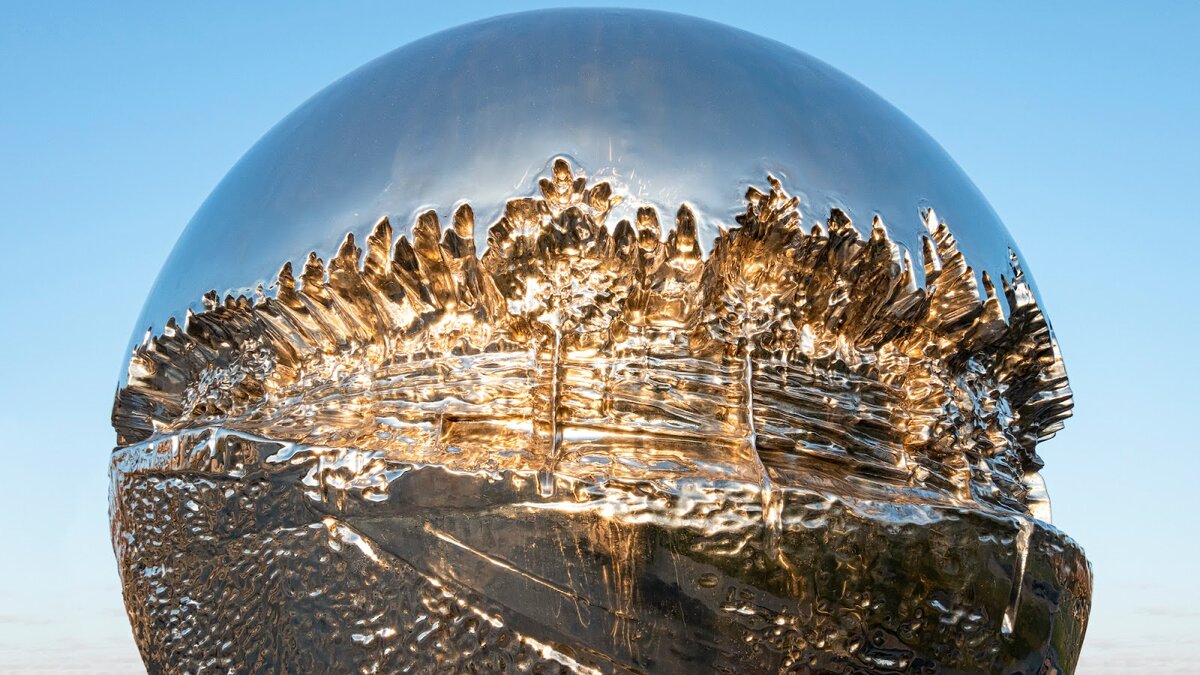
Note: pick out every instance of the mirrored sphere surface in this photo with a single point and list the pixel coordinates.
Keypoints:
(594, 341)
(668, 109)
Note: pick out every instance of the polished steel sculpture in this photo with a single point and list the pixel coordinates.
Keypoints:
(794, 429)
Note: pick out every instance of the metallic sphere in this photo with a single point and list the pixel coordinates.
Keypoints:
(594, 341)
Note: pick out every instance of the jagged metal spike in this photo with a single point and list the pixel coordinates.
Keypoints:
(805, 293)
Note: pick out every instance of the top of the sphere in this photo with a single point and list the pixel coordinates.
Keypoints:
(668, 109)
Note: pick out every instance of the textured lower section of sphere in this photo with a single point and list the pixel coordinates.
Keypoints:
(233, 558)
(602, 449)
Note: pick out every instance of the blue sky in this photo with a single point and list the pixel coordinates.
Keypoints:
(1077, 120)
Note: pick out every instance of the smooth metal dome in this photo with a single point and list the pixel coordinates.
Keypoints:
(669, 109)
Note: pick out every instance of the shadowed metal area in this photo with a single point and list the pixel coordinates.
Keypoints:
(667, 108)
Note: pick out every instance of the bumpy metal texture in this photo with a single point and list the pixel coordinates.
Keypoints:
(781, 441)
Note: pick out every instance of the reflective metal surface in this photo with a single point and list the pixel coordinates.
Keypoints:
(769, 436)
(668, 109)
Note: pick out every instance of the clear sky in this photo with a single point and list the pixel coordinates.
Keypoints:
(1077, 120)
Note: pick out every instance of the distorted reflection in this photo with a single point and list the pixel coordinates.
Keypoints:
(595, 448)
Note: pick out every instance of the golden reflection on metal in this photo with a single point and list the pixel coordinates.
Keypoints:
(831, 449)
